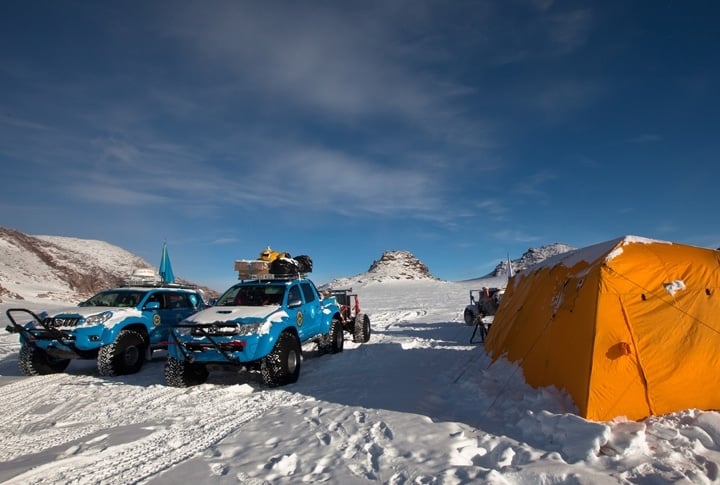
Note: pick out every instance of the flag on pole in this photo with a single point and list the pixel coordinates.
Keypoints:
(166, 272)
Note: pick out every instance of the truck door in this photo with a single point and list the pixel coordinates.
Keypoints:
(174, 307)
(313, 316)
(296, 311)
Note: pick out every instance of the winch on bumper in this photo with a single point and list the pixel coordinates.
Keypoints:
(214, 342)
(49, 335)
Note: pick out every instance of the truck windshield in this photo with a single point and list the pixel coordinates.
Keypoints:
(115, 298)
(253, 295)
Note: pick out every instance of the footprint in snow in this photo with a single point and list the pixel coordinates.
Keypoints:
(381, 432)
(272, 442)
(323, 438)
(285, 465)
(218, 469)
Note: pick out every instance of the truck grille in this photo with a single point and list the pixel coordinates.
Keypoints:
(215, 329)
(61, 322)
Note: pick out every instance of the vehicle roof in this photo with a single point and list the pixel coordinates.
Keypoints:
(154, 288)
(267, 281)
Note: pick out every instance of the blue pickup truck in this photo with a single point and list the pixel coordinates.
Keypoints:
(119, 327)
(258, 324)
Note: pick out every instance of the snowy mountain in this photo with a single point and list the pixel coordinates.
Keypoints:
(392, 265)
(530, 258)
(55, 268)
(403, 265)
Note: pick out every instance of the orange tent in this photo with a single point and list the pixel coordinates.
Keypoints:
(629, 327)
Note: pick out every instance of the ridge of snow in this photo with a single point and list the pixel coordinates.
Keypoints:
(618, 250)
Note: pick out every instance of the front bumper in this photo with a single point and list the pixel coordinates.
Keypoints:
(207, 347)
(79, 343)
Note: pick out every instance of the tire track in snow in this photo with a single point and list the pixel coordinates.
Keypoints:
(15, 397)
(29, 404)
(141, 459)
(55, 418)
(387, 319)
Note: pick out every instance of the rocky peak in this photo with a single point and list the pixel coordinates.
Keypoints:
(401, 265)
(532, 257)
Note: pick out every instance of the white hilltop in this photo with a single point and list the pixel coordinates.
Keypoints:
(530, 258)
(392, 266)
(60, 269)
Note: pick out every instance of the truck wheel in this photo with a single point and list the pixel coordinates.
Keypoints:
(124, 356)
(334, 341)
(362, 328)
(469, 317)
(179, 373)
(36, 362)
(282, 365)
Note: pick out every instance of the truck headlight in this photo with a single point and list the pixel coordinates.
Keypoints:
(98, 319)
(248, 329)
(183, 331)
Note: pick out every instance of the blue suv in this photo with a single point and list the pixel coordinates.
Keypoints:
(259, 325)
(120, 328)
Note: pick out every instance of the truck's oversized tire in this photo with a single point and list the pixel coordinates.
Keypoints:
(334, 341)
(469, 317)
(282, 365)
(179, 373)
(125, 355)
(36, 362)
(361, 332)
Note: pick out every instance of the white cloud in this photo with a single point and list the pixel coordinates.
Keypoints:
(494, 208)
(21, 123)
(531, 186)
(516, 236)
(115, 195)
(645, 138)
(335, 181)
(336, 63)
(569, 31)
(559, 98)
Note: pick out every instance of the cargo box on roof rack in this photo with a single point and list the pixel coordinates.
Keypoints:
(248, 268)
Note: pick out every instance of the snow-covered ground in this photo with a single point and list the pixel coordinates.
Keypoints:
(417, 404)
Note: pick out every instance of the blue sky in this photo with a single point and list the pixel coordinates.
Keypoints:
(461, 131)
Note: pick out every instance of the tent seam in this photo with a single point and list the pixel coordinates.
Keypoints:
(638, 360)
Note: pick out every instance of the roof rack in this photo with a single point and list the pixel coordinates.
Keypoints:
(154, 284)
(259, 269)
(270, 277)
